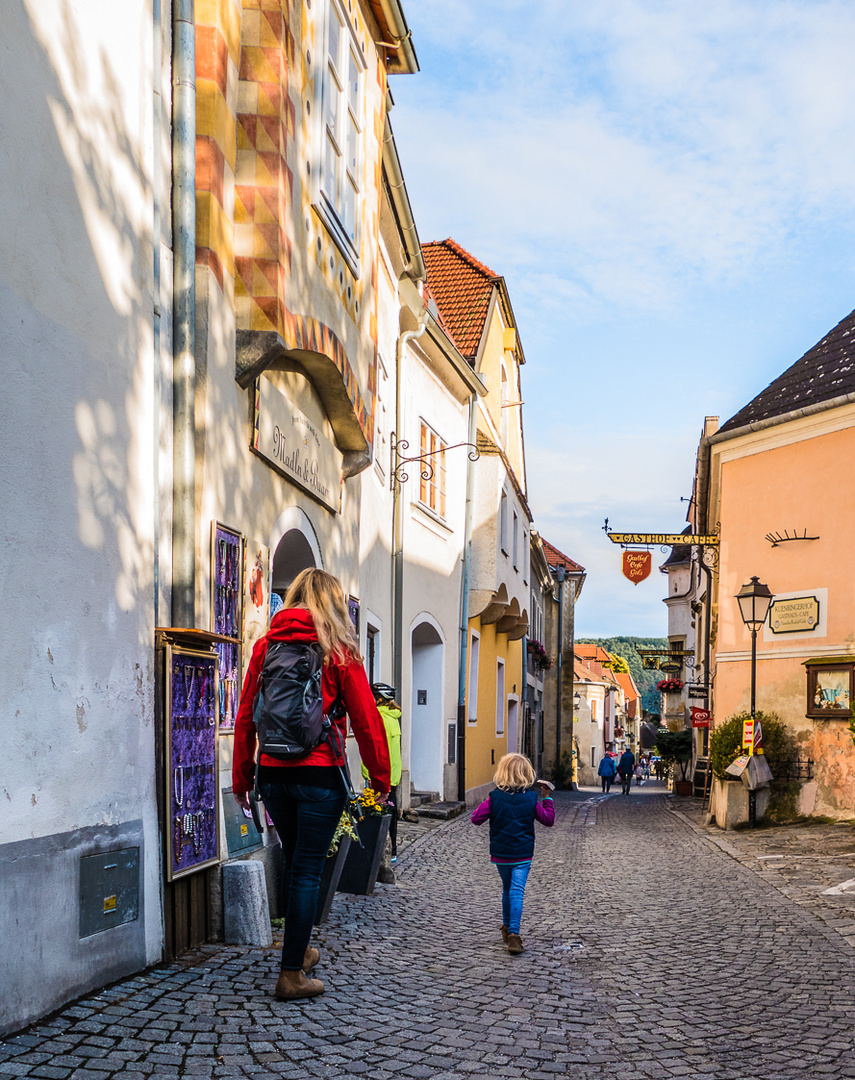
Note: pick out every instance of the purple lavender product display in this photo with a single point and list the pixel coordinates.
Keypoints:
(226, 607)
(193, 760)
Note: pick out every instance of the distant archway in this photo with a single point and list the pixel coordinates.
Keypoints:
(294, 546)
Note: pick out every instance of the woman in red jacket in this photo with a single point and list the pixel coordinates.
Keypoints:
(305, 797)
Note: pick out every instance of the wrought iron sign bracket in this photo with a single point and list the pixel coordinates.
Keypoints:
(400, 461)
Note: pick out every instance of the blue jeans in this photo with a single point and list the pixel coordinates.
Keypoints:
(514, 876)
(305, 818)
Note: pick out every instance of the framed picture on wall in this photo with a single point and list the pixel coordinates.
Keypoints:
(830, 688)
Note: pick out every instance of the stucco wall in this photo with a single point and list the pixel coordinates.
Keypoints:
(789, 478)
(77, 439)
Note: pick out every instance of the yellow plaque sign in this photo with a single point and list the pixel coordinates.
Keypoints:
(109, 904)
(796, 615)
(665, 539)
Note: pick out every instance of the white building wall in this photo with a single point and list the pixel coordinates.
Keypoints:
(77, 480)
(433, 550)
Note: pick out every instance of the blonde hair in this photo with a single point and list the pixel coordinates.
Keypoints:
(322, 596)
(514, 773)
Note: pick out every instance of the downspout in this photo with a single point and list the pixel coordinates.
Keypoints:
(398, 511)
(464, 608)
(156, 229)
(559, 576)
(184, 313)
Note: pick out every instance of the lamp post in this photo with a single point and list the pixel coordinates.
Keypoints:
(754, 600)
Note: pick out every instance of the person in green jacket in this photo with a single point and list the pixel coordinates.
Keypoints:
(390, 710)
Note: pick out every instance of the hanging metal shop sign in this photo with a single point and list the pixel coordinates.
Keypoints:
(637, 565)
(665, 539)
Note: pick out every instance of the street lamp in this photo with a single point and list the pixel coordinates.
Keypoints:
(754, 600)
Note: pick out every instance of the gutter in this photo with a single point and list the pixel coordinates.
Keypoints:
(184, 313)
(402, 37)
(415, 267)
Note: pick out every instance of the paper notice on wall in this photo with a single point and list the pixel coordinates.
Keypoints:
(256, 603)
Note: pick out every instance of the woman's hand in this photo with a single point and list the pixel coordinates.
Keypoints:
(243, 801)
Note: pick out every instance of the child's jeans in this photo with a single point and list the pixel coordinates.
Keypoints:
(514, 877)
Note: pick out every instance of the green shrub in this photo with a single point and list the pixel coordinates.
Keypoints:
(562, 771)
(726, 744)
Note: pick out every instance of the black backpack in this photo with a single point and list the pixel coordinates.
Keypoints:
(288, 710)
(289, 713)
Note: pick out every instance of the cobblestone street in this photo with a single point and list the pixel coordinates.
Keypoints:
(651, 952)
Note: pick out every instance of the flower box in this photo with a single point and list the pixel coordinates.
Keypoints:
(362, 863)
(330, 878)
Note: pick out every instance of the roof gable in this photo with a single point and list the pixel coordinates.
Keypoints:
(556, 558)
(461, 287)
(824, 373)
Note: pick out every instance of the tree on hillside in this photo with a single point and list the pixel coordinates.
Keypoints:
(627, 647)
(620, 663)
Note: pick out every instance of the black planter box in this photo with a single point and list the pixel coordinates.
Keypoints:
(330, 879)
(363, 863)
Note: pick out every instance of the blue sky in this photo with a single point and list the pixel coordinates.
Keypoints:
(669, 190)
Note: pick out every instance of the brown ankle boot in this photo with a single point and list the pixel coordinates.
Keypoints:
(515, 945)
(505, 934)
(293, 985)
(311, 958)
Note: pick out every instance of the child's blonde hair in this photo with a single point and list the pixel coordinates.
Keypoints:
(514, 773)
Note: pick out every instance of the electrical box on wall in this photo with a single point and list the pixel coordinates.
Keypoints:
(109, 890)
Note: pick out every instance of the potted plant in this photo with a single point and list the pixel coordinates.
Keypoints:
(362, 863)
(670, 686)
(542, 660)
(675, 748)
(343, 836)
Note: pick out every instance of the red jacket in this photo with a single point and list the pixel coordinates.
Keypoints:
(346, 680)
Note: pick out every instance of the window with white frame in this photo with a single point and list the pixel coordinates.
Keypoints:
(338, 192)
(432, 486)
(472, 696)
(503, 523)
(372, 653)
(501, 701)
(515, 536)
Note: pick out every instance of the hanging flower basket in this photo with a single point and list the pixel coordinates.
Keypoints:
(670, 686)
(539, 655)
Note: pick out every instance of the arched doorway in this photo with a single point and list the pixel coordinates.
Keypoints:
(295, 548)
(426, 745)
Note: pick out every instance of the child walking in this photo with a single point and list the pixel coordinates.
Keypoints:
(511, 808)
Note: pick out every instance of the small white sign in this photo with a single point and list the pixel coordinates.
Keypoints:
(291, 442)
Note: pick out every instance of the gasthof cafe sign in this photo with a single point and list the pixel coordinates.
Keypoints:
(795, 615)
(293, 444)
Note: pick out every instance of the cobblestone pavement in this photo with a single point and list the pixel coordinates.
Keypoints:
(651, 953)
(813, 864)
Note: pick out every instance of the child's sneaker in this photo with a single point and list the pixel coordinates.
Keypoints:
(515, 945)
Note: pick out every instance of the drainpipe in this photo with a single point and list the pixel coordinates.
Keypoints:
(560, 574)
(157, 104)
(398, 513)
(464, 608)
(184, 313)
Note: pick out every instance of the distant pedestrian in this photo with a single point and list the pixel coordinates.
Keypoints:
(390, 710)
(607, 771)
(512, 808)
(658, 768)
(626, 767)
(639, 774)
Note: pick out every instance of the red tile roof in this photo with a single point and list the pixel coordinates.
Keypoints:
(591, 652)
(557, 558)
(461, 286)
(627, 684)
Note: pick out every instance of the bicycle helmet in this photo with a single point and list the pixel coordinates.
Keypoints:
(384, 691)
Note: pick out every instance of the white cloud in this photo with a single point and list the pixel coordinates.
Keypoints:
(631, 146)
